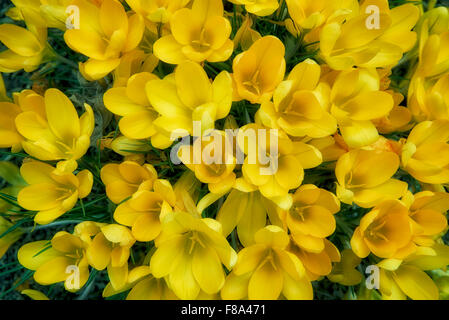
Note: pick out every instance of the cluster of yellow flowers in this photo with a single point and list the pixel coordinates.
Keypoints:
(353, 97)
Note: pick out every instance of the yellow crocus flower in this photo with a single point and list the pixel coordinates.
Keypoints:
(145, 210)
(59, 134)
(300, 104)
(63, 259)
(266, 270)
(311, 217)
(62, 190)
(188, 96)
(427, 139)
(386, 231)
(259, 70)
(357, 101)
(218, 171)
(190, 253)
(25, 101)
(110, 248)
(105, 34)
(260, 8)
(124, 179)
(198, 34)
(364, 177)
(285, 168)
(158, 11)
(345, 272)
(26, 48)
(367, 41)
(131, 103)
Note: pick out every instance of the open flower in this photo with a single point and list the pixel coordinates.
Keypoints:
(198, 34)
(386, 231)
(300, 104)
(105, 34)
(190, 253)
(131, 103)
(62, 190)
(365, 177)
(427, 139)
(59, 134)
(259, 70)
(124, 179)
(274, 164)
(187, 96)
(311, 217)
(211, 158)
(63, 259)
(25, 101)
(266, 270)
(145, 210)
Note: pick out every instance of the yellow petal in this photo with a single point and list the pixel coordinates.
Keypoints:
(266, 283)
(32, 255)
(207, 270)
(53, 271)
(99, 252)
(61, 115)
(19, 40)
(34, 294)
(415, 283)
(193, 84)
(147, 227)
(86, 181)
(169, 50)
